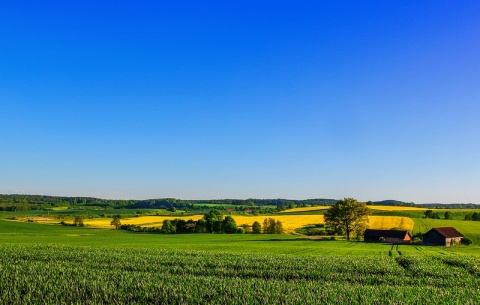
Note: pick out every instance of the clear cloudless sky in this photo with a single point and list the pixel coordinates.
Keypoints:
(241, 99)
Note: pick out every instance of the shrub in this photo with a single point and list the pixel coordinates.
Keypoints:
(466, 241)
(247, 228)
(417, 240)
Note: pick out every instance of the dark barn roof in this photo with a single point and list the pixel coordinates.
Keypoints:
(448, 232)
(369, 233)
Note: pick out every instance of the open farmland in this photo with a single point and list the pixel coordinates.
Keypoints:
(55, 264)
(290, 222)
(36, 274)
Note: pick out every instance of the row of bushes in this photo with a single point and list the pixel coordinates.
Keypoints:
(206, 225)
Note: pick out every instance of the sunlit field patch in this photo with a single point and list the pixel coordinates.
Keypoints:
(290, 222)
(150, 221)
(389, 222)
(306, 209)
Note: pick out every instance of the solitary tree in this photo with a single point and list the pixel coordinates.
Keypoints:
(116, 222)
(347, 215)
(78, 221)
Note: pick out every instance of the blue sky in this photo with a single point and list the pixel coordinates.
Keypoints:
(253, 99)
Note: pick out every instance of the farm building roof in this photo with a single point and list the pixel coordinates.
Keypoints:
(448, 232)
(369, 233)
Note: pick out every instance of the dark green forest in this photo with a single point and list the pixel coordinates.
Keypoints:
(43, 202)
(18, 202)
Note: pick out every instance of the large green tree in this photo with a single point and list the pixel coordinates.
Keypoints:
(168, 227)
(256, 228)
(229, 225)
(213, 221)
(347, 215)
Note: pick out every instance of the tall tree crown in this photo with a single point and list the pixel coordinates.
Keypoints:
(348, 216)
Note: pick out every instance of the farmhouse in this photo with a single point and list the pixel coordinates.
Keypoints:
(445, 236)
(390, 236)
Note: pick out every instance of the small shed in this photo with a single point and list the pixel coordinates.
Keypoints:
(391, 236)
(444, 236)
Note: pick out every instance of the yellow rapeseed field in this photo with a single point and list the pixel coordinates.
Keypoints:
(306, 209)
(146, 221)
(389, 222)
(290, 222)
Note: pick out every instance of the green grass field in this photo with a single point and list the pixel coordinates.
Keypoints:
(12, 232)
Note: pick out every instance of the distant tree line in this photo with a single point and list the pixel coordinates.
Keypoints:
(42, 202)
(449, 205)
(391, 203)
(475, 216)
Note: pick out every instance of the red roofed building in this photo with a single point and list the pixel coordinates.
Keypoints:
(445, 236)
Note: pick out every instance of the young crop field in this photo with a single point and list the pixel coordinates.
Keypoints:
(33, 274)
